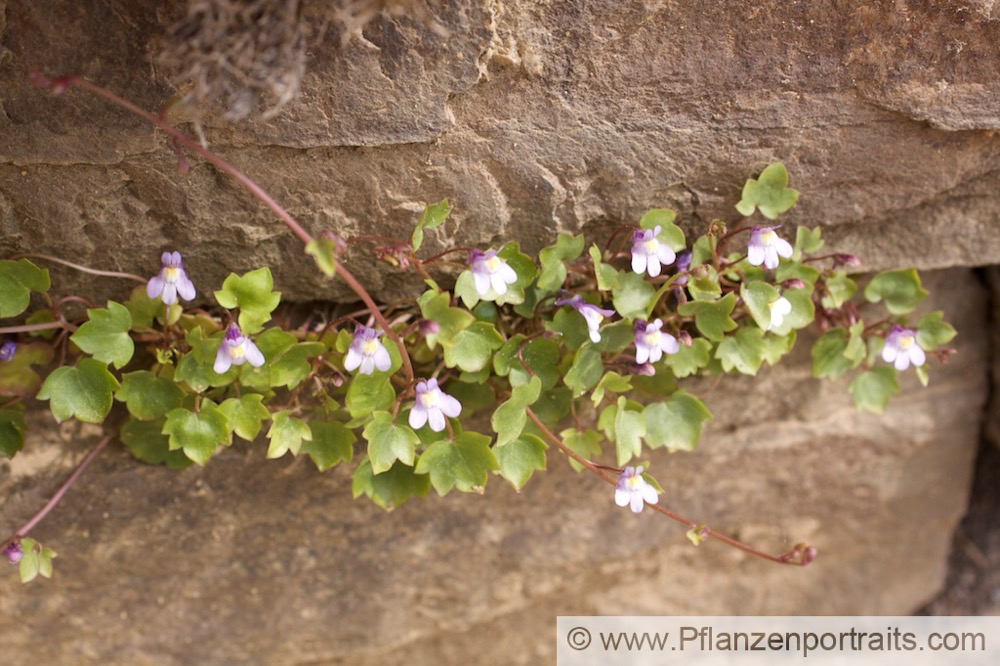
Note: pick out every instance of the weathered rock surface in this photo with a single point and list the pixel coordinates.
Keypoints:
(531, 116)
(248, 561)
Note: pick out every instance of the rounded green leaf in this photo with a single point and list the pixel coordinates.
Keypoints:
(553, 272)
(632, 296)
(147, 396)
(509, 418)
(17, 280)
(586, 371)
(85, 391)
(331, 443)
(770, 193)
(105, 335)
(198, 434)
(146, 442)
(520, 459)
(17, 376)
(390, 488)
(388, 442)
(712, 318)
(245, 414)
(286, 434)
(12, 427)
(472, 348)
(828, 354)
(584, 443)
(253, 293)
(690, 359)
(871, 390)
(933, 331)
(462, 463)
(675, 423)
(324, 251)
(758, 297)
(432, 217)
(900, 290)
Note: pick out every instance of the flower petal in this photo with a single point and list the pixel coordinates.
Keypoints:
(508, 274)
(653, 265)
(669, 344)
(497, 281)
(636, 503)
(649, 494)
(482, 282)
(436, 419)
(755, 255)
(917, 355)
(169, 295)
(770, 258)
(418, 416)
(450, 406)
(155, 286)
(783, 247)
(185, 287)
(254, 355)
(622, 497)
(352, 360)
(655, 354)
(889, 352)
(367, 365)
(222, 360)
(641, 354)
(382, 359)
(665, 255)
(595, 336)
(638, 262)
(902, 361)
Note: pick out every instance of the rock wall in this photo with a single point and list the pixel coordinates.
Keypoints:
(531, 116)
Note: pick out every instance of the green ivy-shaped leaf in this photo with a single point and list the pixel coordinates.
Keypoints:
(17, 376)
(35, 560)
(900, 290)
(690, 359)
(323, 250)
(933, 331)
(391, 488)
(433, 216)
(769, 193)
(286, 434)
(17, 280)
(569, 324)
(520, 459)
(541, 355)
(742, 351)
(388, 442)
(623, 424)
(584, 443)
(703, 284)
(872, 389)
(369, 393)
(828, 357)
(670, 233)
(802, 314)
(436, 306)
(245, 414)
(616, 337)
(553, 273)
(143, 309)
(331, 443)
(608, 277)
(712, 318)
(463, 463)
(253, 293)
(758, 297)
(199, 433)
(586, 371)
(839, 290)
(105, 334)
(473, 347)
(147, 396)
(146, 442)
(807, 241)
(632, 296)
(85, 391)
(509, 418)
(11, 430)
(675, 423)
(613, 382)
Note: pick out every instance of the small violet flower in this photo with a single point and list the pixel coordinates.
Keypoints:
(901, 348)
(367, 352)
(779, 309)
(12, 551)
(489, 270)
(648, 253)
(7, 350)
(171, 280)
(651, 343)
(765, 247)
(633, 491)
(236, 350)
(591, 313)
(432, 405)
(683, 265)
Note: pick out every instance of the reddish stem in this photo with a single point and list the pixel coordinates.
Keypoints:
(51, 504)
(796, 556)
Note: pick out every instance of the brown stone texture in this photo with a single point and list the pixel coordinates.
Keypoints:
(531, 116)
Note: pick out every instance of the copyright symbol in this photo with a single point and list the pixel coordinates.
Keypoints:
(578, 638)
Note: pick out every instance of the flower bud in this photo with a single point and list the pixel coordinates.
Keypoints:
(12, 551)
(844, 259)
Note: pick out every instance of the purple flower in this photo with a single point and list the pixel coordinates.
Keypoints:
(12, 551)
(367, 352)
(432, 405)
(591, 313)
(490, 271)
(682, 265)
(236, 350)
(648, 253)
(651, 343)
(779, 309)
(765, 247)
(171, 280)
(7, 350)
(901, 348)
(428, 327)
(633, 491)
